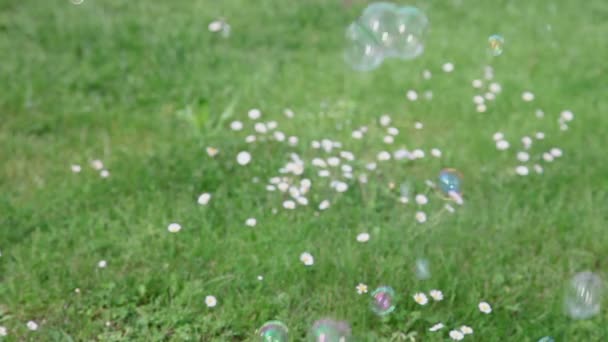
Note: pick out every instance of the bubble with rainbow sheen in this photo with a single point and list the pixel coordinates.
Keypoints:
(496, 43)
(450, 182)
(383, 300)
(329, 330)
(273, 331)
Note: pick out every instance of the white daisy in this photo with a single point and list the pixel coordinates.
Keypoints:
(498, 136)
(490, 96)
(449, 208)
(466, 330)
(307, 259)
(289, 204)
(371, 166)
(428, 95)
(392, 131)
(288, 113)
(540, 135)
(357, 135)
(426, 74)
(260, 127)
(388, 139)
(270, 187)
(539, 113)
(215, 26)
(436, 327)
(251, 222)
(97, 164)
(538, 169)
(3, 331)
(548, 157)
(481, 108)
(236, 125)
(477, 83)
(76, 168)
(567, 115)
(363, 237)
(293, 141)
(478, 100)
(315, 144)
(385, 120)
(204, 198)
(556, 152)
(102, 264)
(31, 325)
(495, 88)
(417, 153)
(341, 187)
(523, 156)
(421, 298)
(421, 199)
(456, 335)
(563, 127)
(526, 141)
(485, 307)
(361, 288)
(418, 125)
(271, 125)
(527, 96)
(404, 200)
(260, 278)
(279, 136)
(174, 227)
(437, 295)
(301, 201)
(324, 205)
(324, 173)
(243, 158)
(401, 154)
(210, 301)
(412, 95)
(384, 156)
(283, 187)
(347, 155)
(333, 161)
(502, 145)
(421, 217)
(104, 173)
(254, 114)
(522, 170)
(250, 139)
(435, 152)
(448, 67)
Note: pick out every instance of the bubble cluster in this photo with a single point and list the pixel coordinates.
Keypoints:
(328, 330)
(383, 300)
(450, 183)
(273, 331)
(385, 30)
(583, 295)
(496, 43)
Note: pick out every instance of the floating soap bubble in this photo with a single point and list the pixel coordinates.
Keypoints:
(273, 331)
(328, 330)
(583, 296)
(422, 269)
(496, 43)
(384, 30)
(450, 183)
(383, 300)
(546, 339)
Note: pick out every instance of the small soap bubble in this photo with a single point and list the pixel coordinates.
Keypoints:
(273, 331)
(422, 269)
(328, 330)
(583, 295)
(450, 182)
(496, 43)
(383, 300)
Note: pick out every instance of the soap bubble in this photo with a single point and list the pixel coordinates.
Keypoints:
(422, 269)
(383, 300)
(496, 43)
(450, 182)
(273, 331)
(384, 30)
(328, 330)
(583, 295)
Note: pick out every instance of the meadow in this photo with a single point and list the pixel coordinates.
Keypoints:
(119, 118)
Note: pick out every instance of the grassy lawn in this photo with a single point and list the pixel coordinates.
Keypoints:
(146, 88)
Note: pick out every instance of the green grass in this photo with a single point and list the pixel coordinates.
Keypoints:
(108, 80)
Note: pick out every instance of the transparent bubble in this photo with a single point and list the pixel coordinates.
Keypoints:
(496, 43)
(384, 30)
(546, 339)
(328, 330)
(273, 331)
(383, 300)
(583, 296)
(422, 269)
(450, 182)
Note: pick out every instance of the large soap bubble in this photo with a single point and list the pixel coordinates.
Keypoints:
(273, 331)
(385, 30)
(329, 330)
(583, 296)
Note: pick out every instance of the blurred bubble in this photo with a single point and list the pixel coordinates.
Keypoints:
(450, 183)
(583, 295)
(328, 330)
(273, 331)
(384, 30)
(422, 269)
(383, 300)
(496, 43)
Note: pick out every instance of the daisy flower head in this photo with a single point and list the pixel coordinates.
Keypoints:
(361, 288)
(204, 198)
(236, 125)
(437, 295)
(243, 158)
(448, 67)
(502, 145)
(251, 222)
(102, 264)
(174, 227)
(522, 170)
(385, 120)
(3, 331)
(254, 114)
(456, 335)
(104, 173)
(212, 151)
(527, 96)
(435, 152)
(421, 199)
(363, 237)
(324, 205)
(421, 217)
(31, 325)
(76, 168)
(421, 298)
(485, 307)
(436, 327)
(307, 259)
(210, 301)
(466, 330)
(97, 164)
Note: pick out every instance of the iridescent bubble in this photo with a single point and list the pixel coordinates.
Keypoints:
(450, 182)
(273, 331)
(496, 43)
(546, 339)
(383, 300)
(328, 330)
(422, 269)
(583, 295)
(384, 30)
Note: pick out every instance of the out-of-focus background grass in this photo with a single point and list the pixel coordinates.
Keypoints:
(112, 79)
